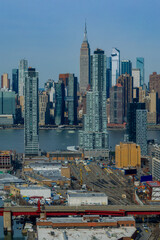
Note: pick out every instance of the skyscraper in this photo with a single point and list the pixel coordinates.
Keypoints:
(84, 63)
(15, 80)
(59, 102)
(31, 134)
(141, 130)
(126, 67)
(23, 66)
(137, 125)
(136, 77)
(115, 65)
(126, 82)
(94, 135)
(71, 99)
(109, 76)
(116, 104)
(5, 82)
(140, 65)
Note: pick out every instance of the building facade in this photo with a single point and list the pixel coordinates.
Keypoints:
(131, 119)
(141, 130)
(15, 80)
(136, 77)
(126, 67)
(94, 134)
(116, 104)
(59, 102)
(71, 99)
(140, 65)
(84, 63)
(126, 81)
(108, 76)
(23, 66)
(127, 155)
(5, 81)
(115, 65)
(154, 84)
(31, 118)
(44, 116)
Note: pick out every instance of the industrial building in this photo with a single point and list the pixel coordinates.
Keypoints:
(30, 191)
(78, 198)
(47, 173)
(127, 155)
(87, 227)
(153, 190)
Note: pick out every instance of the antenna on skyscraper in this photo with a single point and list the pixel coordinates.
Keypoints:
(85, 32)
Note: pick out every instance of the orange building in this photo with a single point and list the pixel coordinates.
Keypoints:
(128, 155)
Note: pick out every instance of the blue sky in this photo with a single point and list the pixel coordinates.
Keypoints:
(49, 33)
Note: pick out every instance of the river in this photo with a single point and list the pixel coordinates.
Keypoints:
(56, 139)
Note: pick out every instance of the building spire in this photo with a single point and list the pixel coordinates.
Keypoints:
(85, 33)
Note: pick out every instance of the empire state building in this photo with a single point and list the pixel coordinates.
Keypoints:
(84, 63)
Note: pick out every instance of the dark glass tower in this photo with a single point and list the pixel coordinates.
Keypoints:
(15, 80)
(59, 103)
(126, 67)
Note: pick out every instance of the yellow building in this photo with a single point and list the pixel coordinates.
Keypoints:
(128, 155)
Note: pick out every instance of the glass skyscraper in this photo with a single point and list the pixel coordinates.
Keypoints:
(108, 76)
(71, 99)
(59, 102)
(31, 134)
(15, 80)
(140, 65)
(94, 134)
(115, 65)
(126, 67)
(23, 66)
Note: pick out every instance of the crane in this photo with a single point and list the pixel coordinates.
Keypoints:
(81, 180)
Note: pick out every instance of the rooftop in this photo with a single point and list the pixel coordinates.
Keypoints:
(74, 234)
(153, 183)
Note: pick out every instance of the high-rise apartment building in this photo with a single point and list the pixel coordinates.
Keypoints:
(140, 65)
(31, 134)
(23, 66)
(5, 81)
(115, 65)
(141, 130)
(137, 125)
(116, 104)
(126, 81)
(154, 84)
(127, 155)
(131, 119)
(94, 135)
(15, 80)
(59, 102)
(126, 67)
(84, 63)
(44, 116)
(64, 78)
(136, 77)
(108, 76)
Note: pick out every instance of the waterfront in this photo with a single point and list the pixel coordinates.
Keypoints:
(57, 139)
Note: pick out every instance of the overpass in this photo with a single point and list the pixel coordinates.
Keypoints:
(53, 211)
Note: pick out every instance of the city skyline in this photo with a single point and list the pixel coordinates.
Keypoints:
(48, 50)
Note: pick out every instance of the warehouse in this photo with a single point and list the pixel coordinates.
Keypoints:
(31, 191)
(79, 198)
